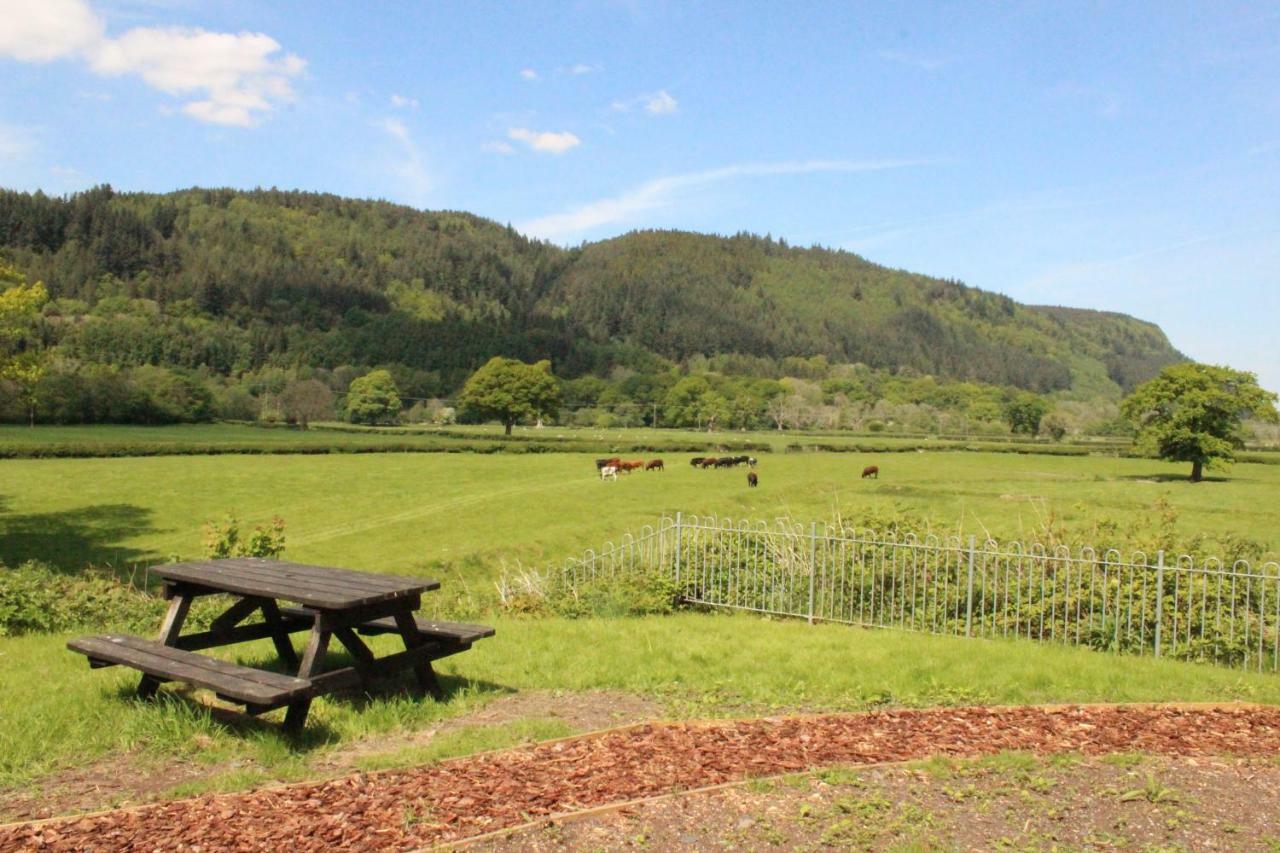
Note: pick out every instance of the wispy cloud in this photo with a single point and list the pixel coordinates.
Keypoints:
(528, 74)
(583, 68)
(499, 147)
(546, 142)
(914, 60)
(408, 166)
(663, 192)
(401, 102)
(229, 79)
(654, 103)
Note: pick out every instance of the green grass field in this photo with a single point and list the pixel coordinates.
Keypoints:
(465, 516)
(694, 665)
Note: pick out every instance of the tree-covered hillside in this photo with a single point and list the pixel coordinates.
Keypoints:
(231, 282)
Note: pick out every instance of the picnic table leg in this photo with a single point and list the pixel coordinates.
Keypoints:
(422, 671)
(317, 645)
(279, 636)
(170, 628)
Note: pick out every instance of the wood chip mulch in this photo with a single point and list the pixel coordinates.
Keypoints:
(464, 797)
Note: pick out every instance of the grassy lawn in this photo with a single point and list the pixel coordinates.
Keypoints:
(463, 517)
(694, 665)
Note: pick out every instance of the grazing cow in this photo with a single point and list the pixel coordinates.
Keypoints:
(725, 462)
(751, 460)
(609, 472)
(633, 465)
(709, 462)
(752, 479)
(696, 461)
(654, 465)
(602, 463)
(871, 471)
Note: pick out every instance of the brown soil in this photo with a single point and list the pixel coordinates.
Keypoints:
(470, 796)
(137, 778)
(1015, 802)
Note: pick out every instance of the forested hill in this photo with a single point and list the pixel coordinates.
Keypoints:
(240, 280)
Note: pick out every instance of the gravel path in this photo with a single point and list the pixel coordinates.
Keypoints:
(405, 809)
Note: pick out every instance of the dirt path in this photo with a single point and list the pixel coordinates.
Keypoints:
(1012, 801)
(478, 794)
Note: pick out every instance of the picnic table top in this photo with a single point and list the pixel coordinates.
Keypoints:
(311, 586)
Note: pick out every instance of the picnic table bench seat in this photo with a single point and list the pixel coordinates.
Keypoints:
(429, 629)
(258, 689)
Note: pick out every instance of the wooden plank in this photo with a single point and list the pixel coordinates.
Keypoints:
(459, 631)
(312, 585)
(266, 585)
(241, 634)
(256, 572)
(160, 662)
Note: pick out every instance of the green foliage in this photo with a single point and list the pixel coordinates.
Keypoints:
(233, 283)
(1194, 412)
(1024, 412)
(36, 599)
(510, 391)
(373, 399)
(22, 355)
(222, 539)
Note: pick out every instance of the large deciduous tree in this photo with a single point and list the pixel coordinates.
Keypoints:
(1193, 413)
(307, 400)
(373, 399)
(21, 354)
(508, 390)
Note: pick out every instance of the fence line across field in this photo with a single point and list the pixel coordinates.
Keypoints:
(1156, 605)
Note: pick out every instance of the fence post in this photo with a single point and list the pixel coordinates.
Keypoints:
(1159, 597)
(968, 607)
(813, 564)
(678, 549)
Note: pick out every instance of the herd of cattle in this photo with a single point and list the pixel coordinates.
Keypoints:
(610, 468)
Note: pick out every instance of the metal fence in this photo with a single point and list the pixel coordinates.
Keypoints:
(1160, 605)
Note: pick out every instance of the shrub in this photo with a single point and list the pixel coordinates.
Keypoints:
(34, 598)
(222, 539)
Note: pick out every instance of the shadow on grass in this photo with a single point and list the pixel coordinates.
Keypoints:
(181, 699)
(1169, 478)
(75, 539)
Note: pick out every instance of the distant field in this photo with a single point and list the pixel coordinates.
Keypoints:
(467, 516)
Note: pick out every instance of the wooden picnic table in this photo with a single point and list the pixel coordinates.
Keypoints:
(327, 602)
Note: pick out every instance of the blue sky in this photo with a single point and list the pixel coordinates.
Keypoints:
(1120, 156)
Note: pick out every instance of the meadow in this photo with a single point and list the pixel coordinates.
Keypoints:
(465, 518)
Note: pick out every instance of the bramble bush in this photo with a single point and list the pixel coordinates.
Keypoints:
(222, 539)
(35, 598)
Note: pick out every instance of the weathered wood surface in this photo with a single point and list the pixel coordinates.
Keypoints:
(229, 680)
(461, 632)
(310, 586)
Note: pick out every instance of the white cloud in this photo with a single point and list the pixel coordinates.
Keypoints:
(230, 79)
(654, 103)
(409, 167)
(401, 102)
(498, 147)
(44, 30)
(529, 74)
(545, 141)
(662, 192)
(583, 68)
(660, 103)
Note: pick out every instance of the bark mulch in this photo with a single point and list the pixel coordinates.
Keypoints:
(464, 797)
